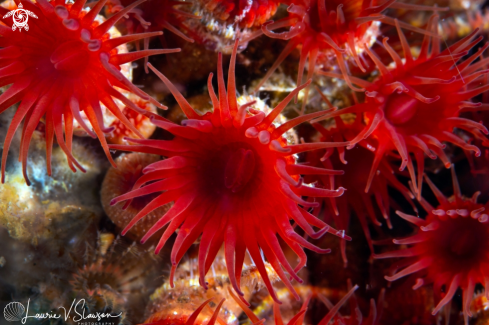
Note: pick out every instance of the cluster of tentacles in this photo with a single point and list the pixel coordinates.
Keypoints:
(353, 164)
(450, 247)
(323, 30)
(414, 107)
(310, 295)
(324, 26)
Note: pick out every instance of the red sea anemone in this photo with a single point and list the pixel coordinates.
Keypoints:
(320, 25)
(234, 180)
(451, 248)
(64, 64)
(413, 107)
(332, 28)
(153, 16)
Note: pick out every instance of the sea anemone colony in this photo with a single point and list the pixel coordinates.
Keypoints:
(335, 171)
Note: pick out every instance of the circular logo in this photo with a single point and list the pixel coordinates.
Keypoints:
(20, 17)
(13, 311)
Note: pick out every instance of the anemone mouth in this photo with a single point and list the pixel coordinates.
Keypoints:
(232, 169)
(239, 170)
(71, 58)
(400, 108)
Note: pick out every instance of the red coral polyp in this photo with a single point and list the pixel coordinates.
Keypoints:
(415, 106)
(64, 64)
(234, 180)
(451, 247)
